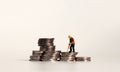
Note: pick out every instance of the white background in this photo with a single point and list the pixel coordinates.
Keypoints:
(95, 25)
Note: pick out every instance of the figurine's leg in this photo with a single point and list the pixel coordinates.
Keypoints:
(73, 47)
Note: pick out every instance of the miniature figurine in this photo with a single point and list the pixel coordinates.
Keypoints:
(71, 44)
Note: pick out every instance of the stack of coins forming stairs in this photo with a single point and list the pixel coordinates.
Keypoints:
(47, 53)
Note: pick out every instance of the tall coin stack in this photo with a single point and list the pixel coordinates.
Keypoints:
(46, 51)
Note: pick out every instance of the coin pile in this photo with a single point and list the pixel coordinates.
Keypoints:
(66, 56)
(47, 53)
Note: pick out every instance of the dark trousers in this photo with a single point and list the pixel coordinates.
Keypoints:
(72, 48)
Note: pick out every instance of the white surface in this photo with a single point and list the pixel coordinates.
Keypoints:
(27, 66)
(95, 25)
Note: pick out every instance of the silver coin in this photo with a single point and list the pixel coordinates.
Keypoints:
(73, 54)
(48, 54)
(56, 58)
(56, 54)
(45, 40)
(43, 49)
(37, 53)
(44, 58)
(48, 49)
(88, 58)
(71, 59)
(35, 58)
(64, 59)
(64, 54)
(46, 44)
(80, 59)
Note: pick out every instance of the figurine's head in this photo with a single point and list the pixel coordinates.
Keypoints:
(69, 36)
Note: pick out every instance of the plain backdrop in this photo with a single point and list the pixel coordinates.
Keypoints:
(95, 25)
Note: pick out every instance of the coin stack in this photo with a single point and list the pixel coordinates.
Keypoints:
(66, 56)
(56, 56)
(46, 51)
(36, 55)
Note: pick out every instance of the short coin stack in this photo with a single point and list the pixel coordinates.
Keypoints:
(56, 56)
(66, 56)
(47, 53)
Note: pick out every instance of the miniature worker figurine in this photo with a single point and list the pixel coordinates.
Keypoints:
(71, 44)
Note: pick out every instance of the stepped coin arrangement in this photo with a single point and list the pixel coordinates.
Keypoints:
(47, 53)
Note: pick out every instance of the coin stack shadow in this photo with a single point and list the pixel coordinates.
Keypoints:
(47, 53)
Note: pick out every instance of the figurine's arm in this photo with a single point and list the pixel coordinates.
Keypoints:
(68, 46)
